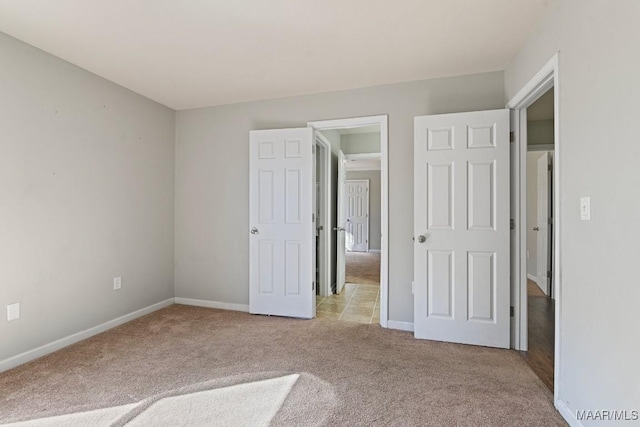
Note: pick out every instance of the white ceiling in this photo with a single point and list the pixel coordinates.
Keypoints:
(196, 53)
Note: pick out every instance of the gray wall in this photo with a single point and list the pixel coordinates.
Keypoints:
(375, 204)
(599, 151)
(212, 176)
(358, 143)
(86, 185)
(540, 132)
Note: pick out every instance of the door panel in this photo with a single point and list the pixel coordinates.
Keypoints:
(543, 215)
(282, 238)
(341, 223)
(461, 224)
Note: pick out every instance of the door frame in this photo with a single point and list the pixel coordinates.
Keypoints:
(382, 121)
(546, 78)
(368, 206)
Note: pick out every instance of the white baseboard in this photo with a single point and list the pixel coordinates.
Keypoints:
(375, 251)
(43, 350)
(568, 414)
(401, 326)
(213, 304)
(532, 277)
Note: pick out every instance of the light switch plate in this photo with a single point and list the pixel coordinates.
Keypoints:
(585, 208)
(13, 312)
(117, 283)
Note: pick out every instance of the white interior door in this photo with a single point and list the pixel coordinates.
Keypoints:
(543, 215)
(341, 223)
(461, 224)
(357, 206)
(281, 222)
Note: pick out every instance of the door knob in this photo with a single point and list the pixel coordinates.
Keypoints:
(254, 230)
(536, 228)
(422, 239)
(338, 229)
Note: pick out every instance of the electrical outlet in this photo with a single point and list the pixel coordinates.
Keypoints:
(13, 312)
(117, 283)
(585, 208)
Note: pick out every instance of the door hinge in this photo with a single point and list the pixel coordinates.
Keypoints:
(313, 286)
(313, 217)
(550, 168)
(512, 224)
(512, 136)
(548, 274)
(550, 221)
(512, 311)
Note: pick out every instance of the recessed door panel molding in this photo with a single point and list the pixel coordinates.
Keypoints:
(292, 148)
(482, 284)
(267, 150)
(440, 139)
(266, 194)
(461, 228)
(293, 199)
(292, 279)
(481, 190)
(482, 136)
(281, 228)
(440, 196)
(440, 284)
(267, 266)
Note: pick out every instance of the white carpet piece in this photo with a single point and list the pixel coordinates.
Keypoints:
(98, 418)
(247, 404)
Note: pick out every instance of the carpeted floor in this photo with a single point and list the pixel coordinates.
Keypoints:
(349, 373)
(363, 268)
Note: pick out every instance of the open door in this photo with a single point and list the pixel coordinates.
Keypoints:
(341, 223)
(461, 224)
(282, 223)
(543, 229)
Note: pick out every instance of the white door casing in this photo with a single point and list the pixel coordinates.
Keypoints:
(543, 215)
(282, 230)
(357, 214)
(461, 225)
(341, 223)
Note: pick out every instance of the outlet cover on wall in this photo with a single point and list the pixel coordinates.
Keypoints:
(117, 283)
(585, 208)
(13, 312)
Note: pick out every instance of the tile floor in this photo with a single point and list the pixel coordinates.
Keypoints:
(356, 303)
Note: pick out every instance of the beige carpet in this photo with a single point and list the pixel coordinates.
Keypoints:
(363, 268)
(349, 373)
(253, 404)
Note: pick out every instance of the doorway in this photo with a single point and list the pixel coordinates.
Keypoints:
(547, 284)
(539, 237)
(358, 192)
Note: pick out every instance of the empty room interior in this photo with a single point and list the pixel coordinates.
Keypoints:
(319, 213)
